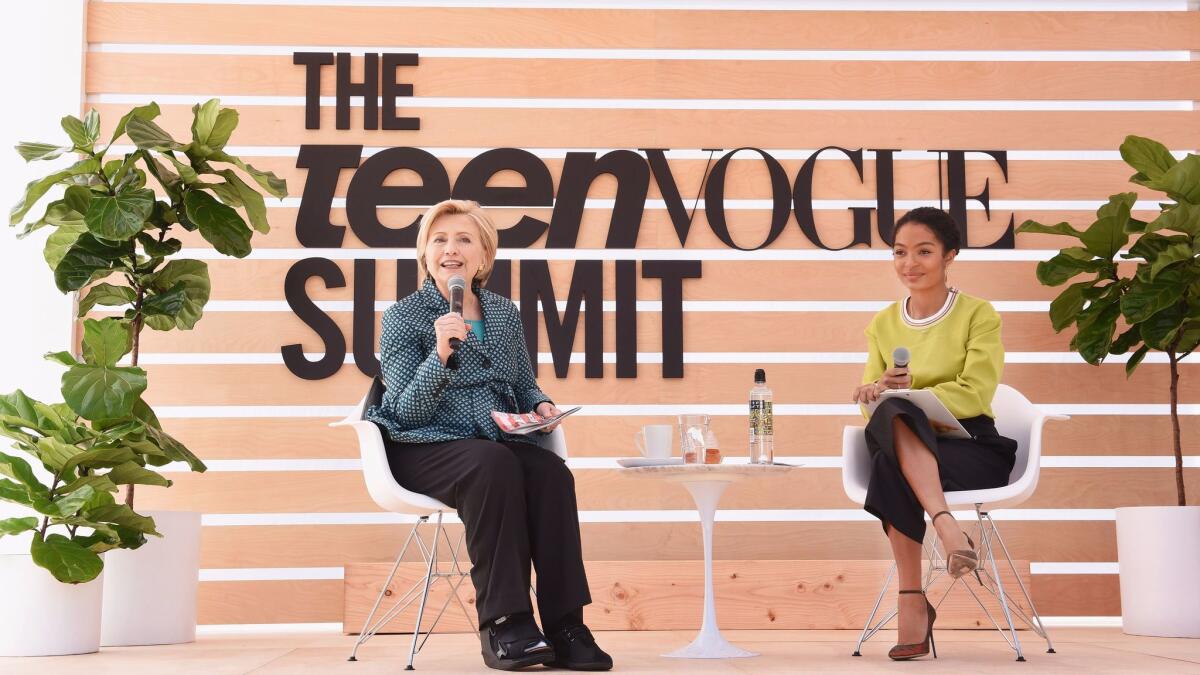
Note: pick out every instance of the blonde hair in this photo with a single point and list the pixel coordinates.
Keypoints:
(487, 234)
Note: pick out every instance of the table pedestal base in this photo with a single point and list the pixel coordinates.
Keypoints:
(709, 644)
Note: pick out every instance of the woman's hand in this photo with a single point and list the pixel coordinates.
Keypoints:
(449, 325)
(896, 378)
(548, 409)
(867, 393)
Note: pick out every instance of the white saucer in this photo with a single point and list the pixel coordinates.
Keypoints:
(631, 462)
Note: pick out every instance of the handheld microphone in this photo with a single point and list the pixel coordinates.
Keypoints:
(900, 357)
(457, 286)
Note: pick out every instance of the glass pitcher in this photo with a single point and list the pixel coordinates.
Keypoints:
(693, 429)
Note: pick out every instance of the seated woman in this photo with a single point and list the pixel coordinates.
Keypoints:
(954, 343)
(516, 499)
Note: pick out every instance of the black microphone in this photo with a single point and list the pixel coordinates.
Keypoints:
(457, 286)
(900, 357)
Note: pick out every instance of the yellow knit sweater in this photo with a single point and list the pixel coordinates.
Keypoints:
(957, 353)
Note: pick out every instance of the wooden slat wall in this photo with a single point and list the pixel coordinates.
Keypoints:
(299, 511)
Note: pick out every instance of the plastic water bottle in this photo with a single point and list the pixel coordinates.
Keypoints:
(762, 421)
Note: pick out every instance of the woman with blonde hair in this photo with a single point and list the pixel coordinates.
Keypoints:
(516, 499)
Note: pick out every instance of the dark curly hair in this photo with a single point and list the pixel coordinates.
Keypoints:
(937, 220)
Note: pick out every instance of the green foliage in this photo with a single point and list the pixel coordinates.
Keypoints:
(1159, 302)
(111, 243)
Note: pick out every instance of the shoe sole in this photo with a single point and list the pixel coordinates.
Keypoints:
(517, 664)
(581, 666)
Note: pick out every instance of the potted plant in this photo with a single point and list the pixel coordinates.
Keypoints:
(1150, 303)
(111, 227)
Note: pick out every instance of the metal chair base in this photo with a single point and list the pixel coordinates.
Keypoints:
(453, 574)
(988, 579)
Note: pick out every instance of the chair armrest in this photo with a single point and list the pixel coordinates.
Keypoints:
(856, 463)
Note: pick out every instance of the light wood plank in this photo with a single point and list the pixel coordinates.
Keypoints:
(608, 489)
(635, 78)
(751, 594)
(630, 29)
(750, 226)
(610, 128)
(703, 384)
(312, 438)
(337, 545)
(310, 601)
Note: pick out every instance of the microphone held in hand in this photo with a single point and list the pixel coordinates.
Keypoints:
(900, 357)
(457, 286)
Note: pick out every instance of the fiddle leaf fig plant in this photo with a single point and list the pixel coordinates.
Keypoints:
(1152, 301)
(112, 243)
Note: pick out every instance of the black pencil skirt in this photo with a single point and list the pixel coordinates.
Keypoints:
(979, 463)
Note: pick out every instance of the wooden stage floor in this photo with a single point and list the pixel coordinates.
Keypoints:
(1080, 650)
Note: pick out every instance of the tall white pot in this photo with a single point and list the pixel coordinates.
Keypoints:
(150, 592)
(1158, 549)
(39, 616)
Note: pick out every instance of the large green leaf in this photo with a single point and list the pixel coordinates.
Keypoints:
(149, 136)
(14, 493)
(1147, 156)
(249, 198)
(55, 453)
(17, 525)
(273, 184)
(165, 303)
(100, 392)
(105, 341)
(37, 188)
(122, 217)
(100, 458)
(220, 225)
(1135, 359)
(1160, 329)
(1146, 298)
(98, 483)
(78, 132)
(1172, 255)
(1183, 218)
(122, 515)
(1068, 263)
(32, 152)
(132, 472)
(1065, 308)
(193, 274)
(60, 242)
(20, 471)
(145, 112)
(68, 561)
(1182, 181)
(1105, 237)
(174, 450)
(1097, 324)
(1032, 226)
(227, 121)
(88, 257)
(107, 295)
(72, 503)
(159, 249)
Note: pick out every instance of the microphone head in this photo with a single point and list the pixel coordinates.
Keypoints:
(457, 281)
(900, 357)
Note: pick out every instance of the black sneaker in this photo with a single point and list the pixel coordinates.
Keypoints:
(514, 642)
(575, 649)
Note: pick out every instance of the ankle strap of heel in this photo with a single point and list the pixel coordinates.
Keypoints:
(913, 592)
(939, 514)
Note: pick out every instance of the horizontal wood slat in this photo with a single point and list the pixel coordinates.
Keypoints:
(235, 602)
(720, 280)
(638, 29)
(608, 489)
(551, 128)
(337, 545)
(751, 594)
(684, 79)
(704, 332)
(703, 383)
(749, 227)
(312, 438)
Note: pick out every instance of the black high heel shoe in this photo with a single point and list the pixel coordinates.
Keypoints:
(959, 562)
(915, 650)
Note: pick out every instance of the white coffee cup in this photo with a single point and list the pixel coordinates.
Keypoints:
(654, 440)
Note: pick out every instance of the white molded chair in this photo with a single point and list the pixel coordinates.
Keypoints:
(390, 496)
(1018, 419)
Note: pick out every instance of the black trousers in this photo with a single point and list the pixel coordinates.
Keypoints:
(981, 462)
(517, 503)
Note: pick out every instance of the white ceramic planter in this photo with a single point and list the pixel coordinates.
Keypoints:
(40, 616)
(1158, 549)
(150, 592)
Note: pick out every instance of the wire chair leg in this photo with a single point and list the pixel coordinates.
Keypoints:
(365, 634)
(1016, 641)
(412, 654)
(867, 631)
(1036, 622)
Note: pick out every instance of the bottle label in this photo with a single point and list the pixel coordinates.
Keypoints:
(761, 422)
(768, 419)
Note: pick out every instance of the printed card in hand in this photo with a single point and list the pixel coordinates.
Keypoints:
(524, 423)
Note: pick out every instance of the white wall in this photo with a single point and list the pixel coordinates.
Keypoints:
(41, 47)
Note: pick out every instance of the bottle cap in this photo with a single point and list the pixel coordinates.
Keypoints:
(760, 375)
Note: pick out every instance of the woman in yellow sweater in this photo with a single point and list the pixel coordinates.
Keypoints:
(954, 342)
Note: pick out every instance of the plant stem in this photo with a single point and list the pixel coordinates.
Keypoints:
(1178, 447)
(136, 329)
